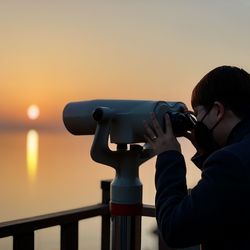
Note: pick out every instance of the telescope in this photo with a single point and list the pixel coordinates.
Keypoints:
(127, 116)
(121, 122)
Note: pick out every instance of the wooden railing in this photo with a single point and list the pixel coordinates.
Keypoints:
(23, 230)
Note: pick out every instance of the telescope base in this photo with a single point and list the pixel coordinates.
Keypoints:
(126, 233)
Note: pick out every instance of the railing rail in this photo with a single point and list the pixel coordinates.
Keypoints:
(54, 219)
(23, 230)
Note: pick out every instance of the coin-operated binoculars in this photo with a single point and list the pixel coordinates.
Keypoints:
(122, 122)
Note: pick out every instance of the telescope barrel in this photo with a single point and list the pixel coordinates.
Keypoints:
(127, 117)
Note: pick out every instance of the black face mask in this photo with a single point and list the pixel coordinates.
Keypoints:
(204, 136)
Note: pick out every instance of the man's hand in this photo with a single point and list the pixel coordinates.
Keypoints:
(191, 137)
(159, 140)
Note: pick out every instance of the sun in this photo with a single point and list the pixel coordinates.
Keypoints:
(33, 112)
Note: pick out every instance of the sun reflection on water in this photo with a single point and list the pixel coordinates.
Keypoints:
(32, 153)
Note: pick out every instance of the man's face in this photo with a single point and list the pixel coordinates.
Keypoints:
(204, 131)
(217, 119)
(199, 112)
(204, 115)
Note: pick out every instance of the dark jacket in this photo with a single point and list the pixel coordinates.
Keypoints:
(216, 214)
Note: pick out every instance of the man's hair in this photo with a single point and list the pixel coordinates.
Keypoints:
(226, 84)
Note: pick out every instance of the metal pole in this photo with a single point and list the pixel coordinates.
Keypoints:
(126, 188)
(126, 202)
(126, 233)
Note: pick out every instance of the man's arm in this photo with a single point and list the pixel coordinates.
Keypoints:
(207, 213)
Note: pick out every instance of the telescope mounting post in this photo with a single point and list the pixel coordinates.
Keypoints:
(126, 187)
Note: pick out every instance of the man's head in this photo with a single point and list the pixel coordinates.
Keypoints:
(226, 84)
(222, 99)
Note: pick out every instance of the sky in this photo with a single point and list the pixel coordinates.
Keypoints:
(53, 52)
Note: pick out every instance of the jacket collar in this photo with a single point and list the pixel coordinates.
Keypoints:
(239, 131)
(237, 134)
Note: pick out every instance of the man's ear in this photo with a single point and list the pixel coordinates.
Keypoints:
(219, 109)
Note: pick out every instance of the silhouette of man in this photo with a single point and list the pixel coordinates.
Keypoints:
(216, 214)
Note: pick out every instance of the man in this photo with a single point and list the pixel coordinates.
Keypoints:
(216, 214)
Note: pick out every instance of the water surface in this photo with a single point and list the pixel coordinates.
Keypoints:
(44, 172)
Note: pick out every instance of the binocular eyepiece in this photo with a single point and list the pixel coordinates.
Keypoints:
(182, 122)
(126, 116)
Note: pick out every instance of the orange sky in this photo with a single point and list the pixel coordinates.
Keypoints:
(53, 52)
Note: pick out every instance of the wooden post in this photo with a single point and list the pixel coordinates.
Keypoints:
(69, 236)
(105, 233)
(24, 241)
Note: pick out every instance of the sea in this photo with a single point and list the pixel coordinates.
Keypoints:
(44, 172)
